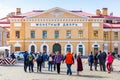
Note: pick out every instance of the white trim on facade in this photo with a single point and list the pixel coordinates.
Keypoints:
(41, 48)
(83, 46)
(95, 44)
(17, 44)
(65, 48)
(56, 40)
(115, 44)
(29, 47)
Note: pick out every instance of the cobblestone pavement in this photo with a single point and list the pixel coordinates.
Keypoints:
(16, 73)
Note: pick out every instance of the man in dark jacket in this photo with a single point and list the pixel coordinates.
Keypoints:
(102, 59)
(90, 60)
(25, 61)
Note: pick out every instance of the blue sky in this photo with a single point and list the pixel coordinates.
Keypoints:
(89, 6)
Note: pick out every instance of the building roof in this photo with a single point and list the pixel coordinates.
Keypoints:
(111, 25)
(84, 13)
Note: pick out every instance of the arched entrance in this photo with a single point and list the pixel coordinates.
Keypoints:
(56, 47)
(81, 48)
(33, 48)
(95, 48)
(44, 49)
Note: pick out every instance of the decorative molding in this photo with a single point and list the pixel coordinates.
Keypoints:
(95, 24)
(56, 40)
(17, 24)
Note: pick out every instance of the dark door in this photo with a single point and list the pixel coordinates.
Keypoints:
(56, 47)
(32, 48)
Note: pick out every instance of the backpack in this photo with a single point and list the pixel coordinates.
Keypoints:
(30, 57)
(50, 58)
(39, 58)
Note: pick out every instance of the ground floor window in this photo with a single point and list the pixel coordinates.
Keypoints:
(80, 49)
(45, 49)
(95, 48)
(32, 48)
(116, 50)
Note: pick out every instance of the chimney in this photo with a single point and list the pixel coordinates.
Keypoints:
(105, 11)
(18, 11)
(98, 12)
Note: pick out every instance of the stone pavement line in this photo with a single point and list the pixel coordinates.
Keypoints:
(16, 73)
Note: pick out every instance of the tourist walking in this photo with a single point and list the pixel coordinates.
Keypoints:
(101, 60)
(109, 61)
(95, 60)
(31, 62)
(25, 61)
(57, 60)
(104, 60)
(90, 60)
(69, 61)
(39, 61)
(50, 62)
(79, 63)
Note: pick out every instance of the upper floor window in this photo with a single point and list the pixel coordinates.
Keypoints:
(95, 34)
(8, 35)
(80, 34)
(68, 34)
(105, 35)
(44, 34)
(32, 34)
(56, 34)
(17, 34)
(115, 35)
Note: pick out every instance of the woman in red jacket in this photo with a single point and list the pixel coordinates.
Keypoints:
(69, 61)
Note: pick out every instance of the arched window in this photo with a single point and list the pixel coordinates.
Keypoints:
(44, 48)
(68, 48)
(95, 48)
(33, 48)
(80, 49)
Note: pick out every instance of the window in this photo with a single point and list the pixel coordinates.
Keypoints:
(44, 34)
(116, 35)
(32, 34)
(95, 48)
(56, 34)
(80, 49)
(105, 35)
(68, 48)
(116, 50)
(80, 34)
(68, 34)
(17, 34)
(95, 34)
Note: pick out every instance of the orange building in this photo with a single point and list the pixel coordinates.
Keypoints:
(61, 30)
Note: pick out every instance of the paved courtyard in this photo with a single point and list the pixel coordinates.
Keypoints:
(16, 73)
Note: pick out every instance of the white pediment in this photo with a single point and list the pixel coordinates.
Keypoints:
(57, 13)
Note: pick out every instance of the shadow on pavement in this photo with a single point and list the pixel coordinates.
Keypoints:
(90, 76)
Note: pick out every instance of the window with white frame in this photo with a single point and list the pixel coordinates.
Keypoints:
(68, 48)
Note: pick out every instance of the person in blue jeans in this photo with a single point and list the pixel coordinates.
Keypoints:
(50, 62)
(69, 61)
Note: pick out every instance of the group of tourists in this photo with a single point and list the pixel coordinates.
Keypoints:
(104, 60)
(54, 61)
